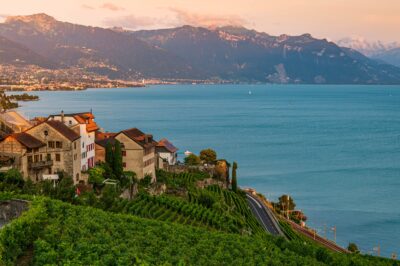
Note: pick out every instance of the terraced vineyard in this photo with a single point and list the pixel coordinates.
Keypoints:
(213, 208)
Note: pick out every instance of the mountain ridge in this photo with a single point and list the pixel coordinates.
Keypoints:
(229, 53)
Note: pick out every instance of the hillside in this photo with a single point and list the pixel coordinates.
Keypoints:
(55, 232)
(242, 54)
(16, 54)
(231, 54)
(94, 49)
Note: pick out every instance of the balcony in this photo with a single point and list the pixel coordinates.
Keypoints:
(40, 164)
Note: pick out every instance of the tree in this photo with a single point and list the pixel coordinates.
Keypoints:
(192, 159)
(108, 196)
(65, 189)
(352, 247)
(234, 177)
(96, 176)
(109, 154)
(117, 161)
(208, 156)
(14, 177)
(286, 204)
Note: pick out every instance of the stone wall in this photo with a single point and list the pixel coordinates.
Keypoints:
(11, 209)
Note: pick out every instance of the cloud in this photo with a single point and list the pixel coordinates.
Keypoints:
(112, 7)
(130, 22)
(84, 6)
(189, 18)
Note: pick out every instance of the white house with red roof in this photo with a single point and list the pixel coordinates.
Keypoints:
(86, 127)
(167, 151)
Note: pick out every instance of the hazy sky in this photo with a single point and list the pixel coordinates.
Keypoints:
(332, 19)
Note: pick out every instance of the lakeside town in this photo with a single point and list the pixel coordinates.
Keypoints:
(48, 149)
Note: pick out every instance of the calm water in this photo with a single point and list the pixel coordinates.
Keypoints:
(335, 149)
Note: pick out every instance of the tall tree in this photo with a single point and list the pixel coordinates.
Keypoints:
(109, 154)
(117, 161)
(234, 177)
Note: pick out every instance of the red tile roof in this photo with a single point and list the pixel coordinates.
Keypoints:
(27, 140)
(165, 144)
(144, 140)
(63, 129)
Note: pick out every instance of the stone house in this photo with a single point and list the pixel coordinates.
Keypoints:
(138, 151)
(46, 148)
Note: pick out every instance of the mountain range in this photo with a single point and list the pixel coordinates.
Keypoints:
(383, 52)
(232, 54)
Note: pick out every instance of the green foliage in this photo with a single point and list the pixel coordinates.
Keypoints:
(108, 196)
(109, 154)
(63, 234)
(208, 156)
(234, 177)
(146, 181)
(352, 247)
(192, 160)
(285, 204)
(96, 176)
(117, 161)
(13, 177)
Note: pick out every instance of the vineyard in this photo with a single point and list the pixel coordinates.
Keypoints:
(52, 232)
(228, 212)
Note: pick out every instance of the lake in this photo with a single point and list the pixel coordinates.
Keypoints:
(334, 149)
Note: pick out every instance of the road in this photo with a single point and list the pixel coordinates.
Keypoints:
(263, 215)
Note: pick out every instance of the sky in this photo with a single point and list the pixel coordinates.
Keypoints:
(332, 19)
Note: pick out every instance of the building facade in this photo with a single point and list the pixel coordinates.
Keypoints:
(47, 148)
(138, 151)
(167, 152)
(86, 127)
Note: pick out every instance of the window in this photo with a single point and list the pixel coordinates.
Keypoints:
(36, 150)
(70, 122)
(46, 133)
(77, 177)
(75, 157)
(75, 145)
(41, 157)
(36, 158)
(58, 157)
(123, 153)
(50, 144)
(48, 157)
(58, 144)
(30, 159)
(29, 150)
(124, 165)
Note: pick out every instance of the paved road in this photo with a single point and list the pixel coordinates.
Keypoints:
(263, 215)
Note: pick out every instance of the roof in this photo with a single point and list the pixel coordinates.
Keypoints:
(164, 143)
(104, 135)
(104, 142)
(63, 129)
(15, 118)
(144, 140)
(27, 140)
(83, 118)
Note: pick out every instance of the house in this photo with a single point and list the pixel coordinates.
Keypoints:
(47, 148)
(86, 127)
(166, 152)
(13, 122)
(138, 150)
(100, 145)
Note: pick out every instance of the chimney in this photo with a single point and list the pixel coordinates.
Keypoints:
(62, 116)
